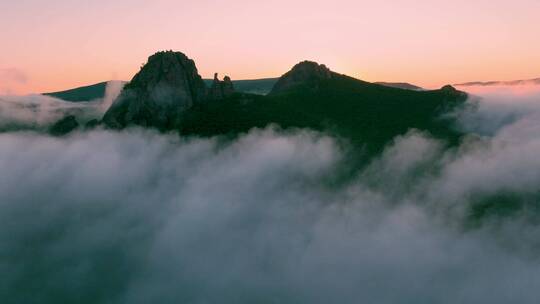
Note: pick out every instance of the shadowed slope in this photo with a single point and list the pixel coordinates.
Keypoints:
(311, 96)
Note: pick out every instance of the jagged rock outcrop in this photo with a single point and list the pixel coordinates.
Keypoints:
(453, 92)
(306, 73)
(64, 126)
(448, 89)
(166, 85)
(220, 89)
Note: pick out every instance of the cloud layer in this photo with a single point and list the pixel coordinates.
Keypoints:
(37, 112)
(139, 217)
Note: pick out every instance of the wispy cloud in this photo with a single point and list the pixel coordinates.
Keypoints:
(10, 79)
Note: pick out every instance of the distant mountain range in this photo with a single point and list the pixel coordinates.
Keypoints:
(254, 86)
(262, 87)
(535, 81)
(85, 93)
(400, 85)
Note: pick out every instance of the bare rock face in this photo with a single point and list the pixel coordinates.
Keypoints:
(220, 89)
(306, 73)
(165, 86)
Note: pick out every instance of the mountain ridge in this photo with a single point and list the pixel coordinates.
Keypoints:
(310, 96)
(166, 85)
(84, 93)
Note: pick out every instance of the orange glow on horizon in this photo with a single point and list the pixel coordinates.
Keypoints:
(504, 90)
(64, 44)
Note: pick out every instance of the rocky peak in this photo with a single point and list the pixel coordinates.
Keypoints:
(165, 86)
(220, 88)
(449, 89)
(452, 94)
(174, 70)
(304, 73)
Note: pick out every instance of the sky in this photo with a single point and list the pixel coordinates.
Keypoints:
(60, 44)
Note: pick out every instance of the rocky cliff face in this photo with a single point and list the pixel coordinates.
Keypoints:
(220, 88)
(306, 73)
(164, 87)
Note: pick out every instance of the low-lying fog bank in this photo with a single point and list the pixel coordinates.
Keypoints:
(137, 217)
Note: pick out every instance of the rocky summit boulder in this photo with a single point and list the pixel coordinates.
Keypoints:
(451, 93)
(305, 73)
(166, 85)
(220, 89)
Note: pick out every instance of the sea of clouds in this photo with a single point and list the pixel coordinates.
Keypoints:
(141, 217)
(38, 112)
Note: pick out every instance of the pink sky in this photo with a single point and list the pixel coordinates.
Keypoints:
(58, 44)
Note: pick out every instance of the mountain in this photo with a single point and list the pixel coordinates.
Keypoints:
(308, 96)
(366, 114)
(86, 93)
(167, 85)
(306, 74)
(535, 81)
(400, 85)
(312, 69)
